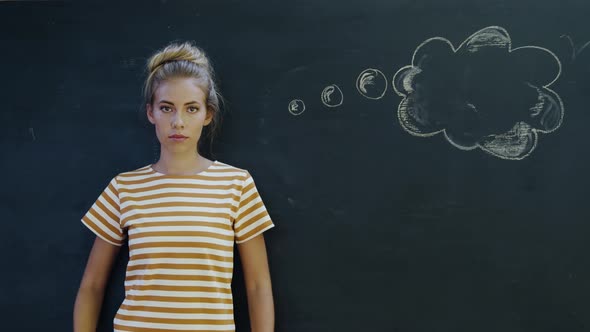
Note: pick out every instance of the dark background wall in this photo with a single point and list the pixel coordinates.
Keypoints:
(377, 229)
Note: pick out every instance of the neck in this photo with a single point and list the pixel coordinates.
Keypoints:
(181, 164)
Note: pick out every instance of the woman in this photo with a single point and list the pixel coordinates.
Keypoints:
(180, 217)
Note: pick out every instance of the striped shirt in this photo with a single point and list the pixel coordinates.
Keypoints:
(181, 232)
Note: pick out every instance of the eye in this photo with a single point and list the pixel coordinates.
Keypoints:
(165, 109)
(193, 109)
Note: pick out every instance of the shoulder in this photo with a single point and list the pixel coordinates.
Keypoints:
(138, 173)
(228, 170)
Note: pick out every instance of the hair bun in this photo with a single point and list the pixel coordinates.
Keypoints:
(179, 52)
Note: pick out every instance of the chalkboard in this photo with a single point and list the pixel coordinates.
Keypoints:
(425, 162)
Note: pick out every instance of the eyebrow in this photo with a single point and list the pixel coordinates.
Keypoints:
(171, 103)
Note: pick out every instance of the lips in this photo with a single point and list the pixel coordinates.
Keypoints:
(177, 138)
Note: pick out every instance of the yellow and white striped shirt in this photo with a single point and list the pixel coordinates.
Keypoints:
(181, 232)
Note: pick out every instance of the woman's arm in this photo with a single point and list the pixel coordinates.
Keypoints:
(92, 286)
(258, 285)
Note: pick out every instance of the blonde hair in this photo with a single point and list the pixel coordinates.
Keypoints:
(185, 61)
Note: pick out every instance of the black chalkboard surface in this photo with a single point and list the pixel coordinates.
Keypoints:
(425, 162)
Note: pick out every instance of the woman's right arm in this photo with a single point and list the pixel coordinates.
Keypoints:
(92, 287)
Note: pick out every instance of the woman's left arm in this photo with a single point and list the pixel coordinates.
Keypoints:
(258, 285)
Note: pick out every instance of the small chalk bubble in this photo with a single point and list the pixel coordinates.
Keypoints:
(332, 96)
(296, 106)
(371, 83)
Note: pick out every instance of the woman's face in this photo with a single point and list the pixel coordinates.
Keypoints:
(179, 113)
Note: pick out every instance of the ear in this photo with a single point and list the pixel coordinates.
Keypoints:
(208, 118)
(150, 113)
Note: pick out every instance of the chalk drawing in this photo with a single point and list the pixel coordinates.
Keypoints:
(371, 83)
(576, 50)
(476, 94)
(332, 96)
(296, 106)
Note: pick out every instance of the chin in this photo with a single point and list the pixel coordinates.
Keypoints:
(181, 149)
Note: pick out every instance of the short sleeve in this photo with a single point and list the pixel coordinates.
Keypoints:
(251, 218)
(104, 216)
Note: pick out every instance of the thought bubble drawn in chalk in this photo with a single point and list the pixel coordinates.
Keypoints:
(332, 96)
(296, 106)
(483, 94)
(371, 83)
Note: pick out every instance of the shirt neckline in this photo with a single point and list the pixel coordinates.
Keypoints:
(185, 175)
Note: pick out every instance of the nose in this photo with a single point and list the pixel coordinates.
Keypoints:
(177, 120)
